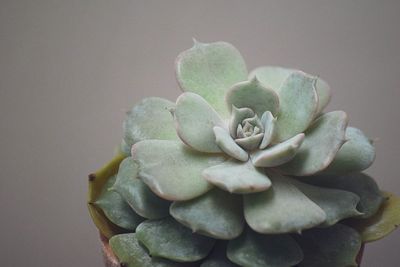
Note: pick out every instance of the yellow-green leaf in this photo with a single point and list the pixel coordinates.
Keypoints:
(385, 221)
(97, 181)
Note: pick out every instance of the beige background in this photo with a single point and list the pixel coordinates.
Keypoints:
(69, 70)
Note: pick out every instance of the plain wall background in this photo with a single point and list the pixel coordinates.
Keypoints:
(70, 69)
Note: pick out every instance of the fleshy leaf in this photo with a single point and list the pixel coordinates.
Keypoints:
(334, 246)
(255, 250)
(281, 209)
(385, 221)
(132, 254)
(298, 106)
(253, 95)
(195, 120)
(268, 122)
(172, 170)
(273, 77)
(237, 177)
(337, 204)
(251, 142)
(210, 70)
(324, 94)
(129, 251)
(359, 183)
(228, 145)
(150, 119)
(279, 153)
(270, 76)
(237, 116)
(137, 194)
(116, 209)
(323, 140)
(168, 239)
(217, 257)
(125, 148)
(355, 155)
(97, 181)
(217, 214)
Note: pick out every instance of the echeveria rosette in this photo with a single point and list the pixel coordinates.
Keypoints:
(240, 163)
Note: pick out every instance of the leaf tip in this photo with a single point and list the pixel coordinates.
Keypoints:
(91, 177)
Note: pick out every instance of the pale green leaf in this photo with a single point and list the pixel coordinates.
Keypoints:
(228, 145)
(149, 119)
(252, 249)
(237, 116)
(210, 70)
(172, 170)
(357, 154)
(217, 214)
(251, 142)
(281, 209)
(116, 209)
(237, 177)
(268, 122)
(321, 143)
(278, 154)
(337, 204)
(132, 254)
(253, 95)
(195, 120)
(129, 251)
(166, 238)
(273, 77)
(137, 194)
(359, 183)
(298, 106)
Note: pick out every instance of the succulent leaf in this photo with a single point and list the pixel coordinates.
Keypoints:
(237, 177)
(217, 214)
(237, 116)
(324, 94)
(218, 258)
(273, 77)
(195, 120)
(268, 123)
(156, 236)
(149, 119)
(97, 181)
(359, 183)
(256, 250)
(116, 209)
(129, 251)
(356, 155)
(323, 140)
(132, 254)
(334, 246)
(250, 142)
(298, 106)
(210, 70)
(278, 154)
(281, 209)
(251, 94)
(172, 170)
(137, 194)
(385, 221)
(337, 204)
(125, 148)
(228, 145)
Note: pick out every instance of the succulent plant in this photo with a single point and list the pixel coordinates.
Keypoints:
(243, 170)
